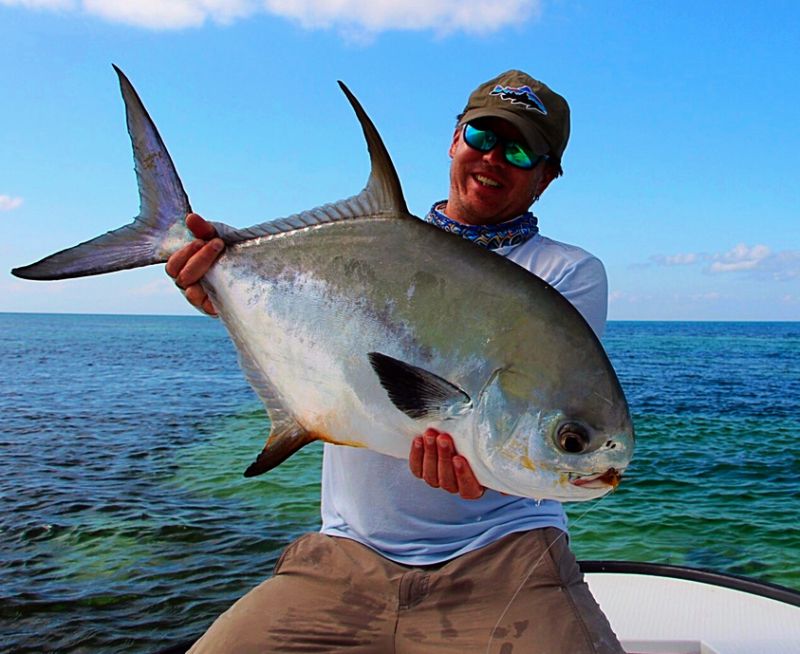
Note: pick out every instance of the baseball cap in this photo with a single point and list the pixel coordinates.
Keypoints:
(538, 112)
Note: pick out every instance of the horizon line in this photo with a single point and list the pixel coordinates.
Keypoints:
(201, 315)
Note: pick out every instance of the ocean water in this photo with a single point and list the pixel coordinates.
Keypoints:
(126, 524)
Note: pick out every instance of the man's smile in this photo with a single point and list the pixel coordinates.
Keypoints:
(486, 181)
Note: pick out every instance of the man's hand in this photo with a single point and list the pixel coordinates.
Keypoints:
(433, 458)
(188, 265)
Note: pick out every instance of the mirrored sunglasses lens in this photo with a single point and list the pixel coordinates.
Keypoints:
(480, 139)
(517, 156)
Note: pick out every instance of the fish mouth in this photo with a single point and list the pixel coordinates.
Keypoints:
(610, 477)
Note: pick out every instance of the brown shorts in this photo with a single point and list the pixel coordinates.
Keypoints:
(523, 594)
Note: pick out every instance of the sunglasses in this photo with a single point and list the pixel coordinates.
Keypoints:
(515, 153)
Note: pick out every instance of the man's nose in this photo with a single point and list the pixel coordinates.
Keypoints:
(495, 156)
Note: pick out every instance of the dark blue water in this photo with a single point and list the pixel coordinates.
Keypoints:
(126, 524)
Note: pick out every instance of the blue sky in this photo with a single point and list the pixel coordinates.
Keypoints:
(681, 173)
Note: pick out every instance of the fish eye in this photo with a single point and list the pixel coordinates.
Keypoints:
(573, 438)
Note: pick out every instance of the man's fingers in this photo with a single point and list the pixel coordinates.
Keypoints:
(199, 263)
(195, 295)
(188, 265)
(178, 260)
(208, 308)
(416, 457)
(445, 472)
(468, 486)
(433, 458)
(430, 468)
(200, 227)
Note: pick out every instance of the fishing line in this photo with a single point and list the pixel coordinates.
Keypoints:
(563, 534)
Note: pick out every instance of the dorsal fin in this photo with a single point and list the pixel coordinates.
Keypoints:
(383, 183)
(382, 194)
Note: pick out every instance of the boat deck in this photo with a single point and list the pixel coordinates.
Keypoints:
(672, 610)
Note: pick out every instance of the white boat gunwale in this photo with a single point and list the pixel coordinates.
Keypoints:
(702, 575)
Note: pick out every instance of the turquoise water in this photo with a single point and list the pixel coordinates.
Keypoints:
(126, 524)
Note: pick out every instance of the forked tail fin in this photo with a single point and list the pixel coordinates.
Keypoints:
(155, 233)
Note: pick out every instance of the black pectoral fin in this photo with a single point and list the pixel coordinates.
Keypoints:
(417, 392)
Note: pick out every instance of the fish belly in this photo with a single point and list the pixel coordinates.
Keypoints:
(311, 340)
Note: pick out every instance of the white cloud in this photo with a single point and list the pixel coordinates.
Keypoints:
(623, 297)
(40, 4)
(757, 259)
(740, 258)
(358, 17)
(171, 14)
(155, 287)
(442, 16)
(24, 287)
(787, 265)
(675, 259)
(8, 203)
(711, 296)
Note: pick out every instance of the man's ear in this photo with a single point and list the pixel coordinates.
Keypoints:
(548, 174)
(454, 142)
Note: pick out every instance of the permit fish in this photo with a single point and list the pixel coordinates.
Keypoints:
(358, 324)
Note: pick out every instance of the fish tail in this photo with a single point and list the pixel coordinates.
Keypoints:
(157, 231)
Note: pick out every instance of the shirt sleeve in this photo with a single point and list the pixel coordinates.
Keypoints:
(585, 285)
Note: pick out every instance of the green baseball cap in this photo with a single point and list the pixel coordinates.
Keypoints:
(538, 112)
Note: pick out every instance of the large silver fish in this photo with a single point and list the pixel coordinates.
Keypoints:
(358, 324)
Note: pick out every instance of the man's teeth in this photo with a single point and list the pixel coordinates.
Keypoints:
(486, 181)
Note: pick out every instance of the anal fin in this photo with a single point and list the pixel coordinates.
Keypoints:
(284, 440)
(287, 435)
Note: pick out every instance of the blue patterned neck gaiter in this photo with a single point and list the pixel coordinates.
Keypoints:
(512, 232)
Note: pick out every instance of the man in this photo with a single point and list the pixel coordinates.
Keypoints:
(400, 566)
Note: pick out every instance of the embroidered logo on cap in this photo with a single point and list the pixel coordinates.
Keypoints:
(520, 95)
